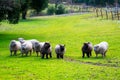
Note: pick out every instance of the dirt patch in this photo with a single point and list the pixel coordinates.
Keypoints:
(91, 63)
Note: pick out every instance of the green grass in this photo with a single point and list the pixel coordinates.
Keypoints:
(72, 31)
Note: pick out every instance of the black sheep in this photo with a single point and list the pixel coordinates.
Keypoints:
(46, 50)
(87, 48)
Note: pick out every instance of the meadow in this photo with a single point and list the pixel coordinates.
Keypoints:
(72, 31)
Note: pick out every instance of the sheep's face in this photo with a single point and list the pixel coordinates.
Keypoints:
(13, 44)
(23, 47)
(62, 47)
(85, 46)
(37, 45)
(46, 45)
(96, 47)
(21, 40)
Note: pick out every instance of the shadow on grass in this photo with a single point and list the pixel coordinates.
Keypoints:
(4, 37)
(33, 20)
(31, 58)
(10, 36)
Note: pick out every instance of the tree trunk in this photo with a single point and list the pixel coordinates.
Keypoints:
(24, 13)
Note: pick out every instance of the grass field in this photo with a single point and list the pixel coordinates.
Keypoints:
(72, 31)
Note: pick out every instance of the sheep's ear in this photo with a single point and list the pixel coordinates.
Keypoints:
(88, 42)
(97, 46)
(85, 43)
(64, 45)
(47, 42)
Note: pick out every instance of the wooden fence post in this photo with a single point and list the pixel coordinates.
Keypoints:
(106, 14)
(97, 12)
(79, 9)
(112, 15)
(101, 13)
(118, 14)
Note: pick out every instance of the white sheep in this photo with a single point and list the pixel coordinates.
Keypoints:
(21, 40)
(26, 47)
(33, 43)
(60, 50)
(38, 46)
(14, 47)
(31, 40)
(101, 48)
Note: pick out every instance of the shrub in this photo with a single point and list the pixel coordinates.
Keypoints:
(60, 9)
(51, 10)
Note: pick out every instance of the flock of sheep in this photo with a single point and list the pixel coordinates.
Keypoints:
(44, 48)
(33, 45)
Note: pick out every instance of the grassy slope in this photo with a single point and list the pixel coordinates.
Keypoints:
(70, 30)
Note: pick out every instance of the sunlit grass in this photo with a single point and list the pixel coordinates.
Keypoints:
(72, 31)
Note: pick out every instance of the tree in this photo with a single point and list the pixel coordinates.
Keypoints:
(97, 2)
(24, 7)
(14, 13)
(3, 9)
(39, 5)
(57, 2)
(10, 10)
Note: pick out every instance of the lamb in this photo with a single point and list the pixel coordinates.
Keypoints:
(46, 50)
(26, 47)
(87, 48)
(101, 48)
(60, 50)
(14, 47)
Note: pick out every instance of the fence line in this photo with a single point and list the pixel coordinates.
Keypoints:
(104, 13)
(112, 13)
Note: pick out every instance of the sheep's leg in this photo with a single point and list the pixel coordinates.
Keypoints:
(50, 55)
(83, 55)
(22, 54)
(33, 50)
(96, 55)
(103, 55)
(10, 52)
(30, 52)
(43, 56)
(26, 53)
(15, 53)
(58, 56)
(46, 56)
(61, 56)
(37, 53)
(88, 55)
